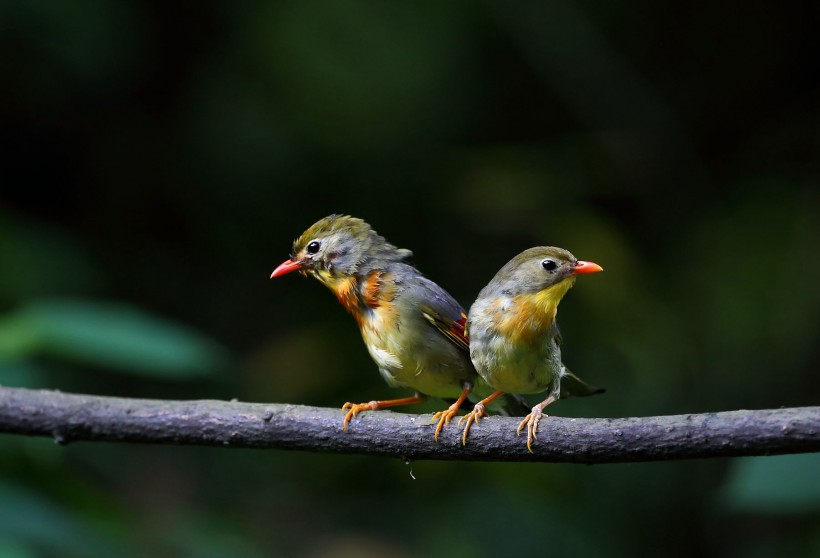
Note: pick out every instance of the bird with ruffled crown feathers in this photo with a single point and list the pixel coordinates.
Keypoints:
(515, 343)
(413, 329)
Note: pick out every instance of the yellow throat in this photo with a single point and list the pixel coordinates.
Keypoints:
(533, 314)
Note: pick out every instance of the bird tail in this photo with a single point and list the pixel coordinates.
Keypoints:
(573, 386)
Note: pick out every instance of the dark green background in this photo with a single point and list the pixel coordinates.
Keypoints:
(157, 160)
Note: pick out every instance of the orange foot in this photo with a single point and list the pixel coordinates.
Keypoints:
(443, 419)
(445, 416)
(532, 420)
(354, 409)
(477, 413)
(471, 417)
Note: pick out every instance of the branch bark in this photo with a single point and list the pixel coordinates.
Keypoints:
(71, 418)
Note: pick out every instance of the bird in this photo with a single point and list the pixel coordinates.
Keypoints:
(515, 343)
(412, 328)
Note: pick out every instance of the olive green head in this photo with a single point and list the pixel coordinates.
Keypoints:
(537, 269)
(338, 246)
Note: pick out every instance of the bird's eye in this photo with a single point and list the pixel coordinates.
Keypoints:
(549, 265)
(313, 247)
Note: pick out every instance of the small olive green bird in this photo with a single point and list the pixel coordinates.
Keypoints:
(413, 329)
(515, 344)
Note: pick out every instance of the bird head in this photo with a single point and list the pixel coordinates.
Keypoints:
(336, 248)
(544, 270)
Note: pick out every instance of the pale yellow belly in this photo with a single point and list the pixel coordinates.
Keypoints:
(519, 370)
(429, 365)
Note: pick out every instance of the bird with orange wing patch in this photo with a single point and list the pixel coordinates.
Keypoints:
(412, 328)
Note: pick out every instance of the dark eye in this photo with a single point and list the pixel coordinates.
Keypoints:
(313, 247)
(549, 265)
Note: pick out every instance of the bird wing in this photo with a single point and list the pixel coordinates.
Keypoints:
(437, 306)
(556, 333)
(450, 328)
(442, 312)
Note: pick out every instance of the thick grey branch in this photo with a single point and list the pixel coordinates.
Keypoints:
(70, 418)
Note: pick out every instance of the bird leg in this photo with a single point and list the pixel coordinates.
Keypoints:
(532, 420)
(477, 412)
(354, 409)
(445, 416)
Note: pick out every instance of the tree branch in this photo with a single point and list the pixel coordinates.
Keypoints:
(69, 418)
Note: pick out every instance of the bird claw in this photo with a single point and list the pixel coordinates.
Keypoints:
(447, 414)
(470, 418)
(531, 421)
(444, 419)
(354, 409)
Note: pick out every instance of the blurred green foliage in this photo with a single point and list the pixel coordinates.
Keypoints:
(774, 486)
(156, 160)
(105, 335)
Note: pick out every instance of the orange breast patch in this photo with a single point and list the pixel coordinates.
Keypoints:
(526, 320)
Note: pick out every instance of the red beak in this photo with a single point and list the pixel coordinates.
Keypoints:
(580, 267)
(286, 267)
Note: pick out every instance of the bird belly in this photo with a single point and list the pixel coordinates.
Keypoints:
(417, 358)
(383, 358)
(516, 369)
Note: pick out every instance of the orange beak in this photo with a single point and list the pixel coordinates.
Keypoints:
(580, 267)
(286, 267)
